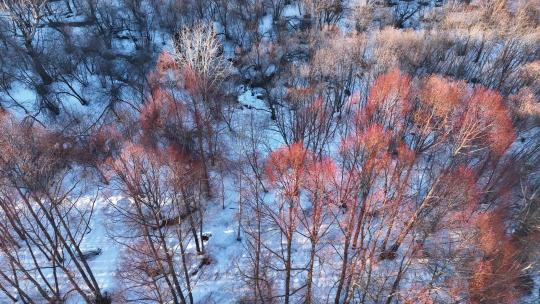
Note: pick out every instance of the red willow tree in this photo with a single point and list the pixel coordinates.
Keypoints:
(293, 170)
(416, 160)
(166, 125)
(370, 185)
(154, 228)
(192, 76)
(164, 177)
(496, 269)
(313, 215)
(423, 131)
(164, 167)
(286, 170)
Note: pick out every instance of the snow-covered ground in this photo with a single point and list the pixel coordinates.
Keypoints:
(215, 283)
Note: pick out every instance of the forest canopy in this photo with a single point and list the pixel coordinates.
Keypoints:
(269, 151)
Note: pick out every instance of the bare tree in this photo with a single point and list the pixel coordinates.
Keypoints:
(42, 203)
(154, 217)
